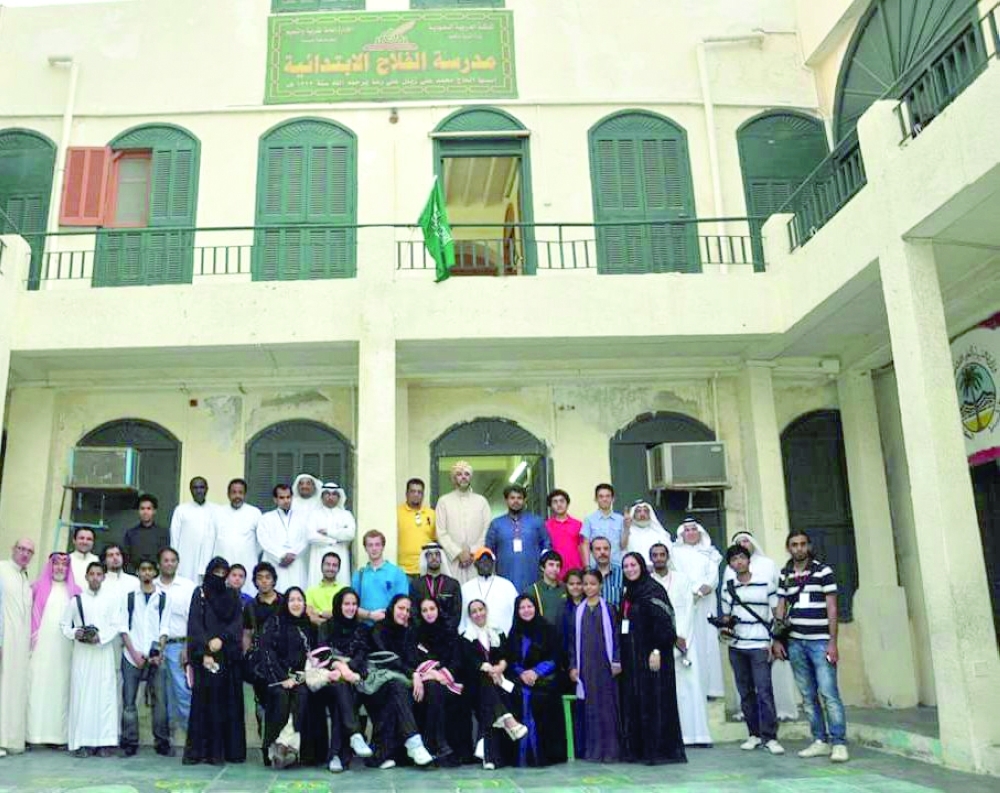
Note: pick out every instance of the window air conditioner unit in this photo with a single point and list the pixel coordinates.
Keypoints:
(687, 466)
(104, 468)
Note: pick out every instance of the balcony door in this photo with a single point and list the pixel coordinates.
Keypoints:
(482, 159)
(641, 180)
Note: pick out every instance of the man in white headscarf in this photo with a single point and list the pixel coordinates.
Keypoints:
(305, 493)
(331, 528)
(462, 518)
(435, 581)
(644, 531)
(699, 560)
(782, 679)
(691, 704)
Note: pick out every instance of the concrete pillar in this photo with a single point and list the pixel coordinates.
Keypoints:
(880, 603)
(767, 508)
(29, 471)
(376, 442)
(966, 664)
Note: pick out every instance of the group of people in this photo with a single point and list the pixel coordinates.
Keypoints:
(502, 641)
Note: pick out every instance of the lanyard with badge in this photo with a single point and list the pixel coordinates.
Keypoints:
(518, 541)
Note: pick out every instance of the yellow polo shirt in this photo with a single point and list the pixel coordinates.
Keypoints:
(320, 596)
(416, 529)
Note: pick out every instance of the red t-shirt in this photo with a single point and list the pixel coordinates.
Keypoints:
(566, 538)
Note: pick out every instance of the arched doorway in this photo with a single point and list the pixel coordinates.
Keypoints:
(628, 472)
(501, 452)
(815, 463)
(482, 158)
(159, 475)
(279, 453)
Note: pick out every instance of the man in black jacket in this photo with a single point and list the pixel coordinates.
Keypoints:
(434, 582)
(145, 539)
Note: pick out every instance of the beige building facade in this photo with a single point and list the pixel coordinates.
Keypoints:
(814, 345)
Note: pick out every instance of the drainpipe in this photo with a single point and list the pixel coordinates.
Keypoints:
(757, 39)
(63, 62)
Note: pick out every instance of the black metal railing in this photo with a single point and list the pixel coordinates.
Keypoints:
(833, 183)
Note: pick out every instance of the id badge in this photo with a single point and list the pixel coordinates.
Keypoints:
(625, 627)
(518, 545)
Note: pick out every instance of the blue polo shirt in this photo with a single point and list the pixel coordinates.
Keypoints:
(597, 524)
(376, 588)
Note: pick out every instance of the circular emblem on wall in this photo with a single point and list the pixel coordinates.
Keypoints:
(977, 394)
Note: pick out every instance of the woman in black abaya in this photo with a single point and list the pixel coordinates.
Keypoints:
(443, 717)
(215, 650)
(652, 727)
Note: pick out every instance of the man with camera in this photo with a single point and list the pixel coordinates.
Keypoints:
(144, 635)
(93, 620)
(748, 602)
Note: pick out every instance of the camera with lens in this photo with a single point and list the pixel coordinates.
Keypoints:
(725, 622)
(88, 634)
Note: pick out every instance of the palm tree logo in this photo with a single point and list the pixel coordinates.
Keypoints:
(978, 395)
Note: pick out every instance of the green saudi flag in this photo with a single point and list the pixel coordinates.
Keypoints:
(437, 232)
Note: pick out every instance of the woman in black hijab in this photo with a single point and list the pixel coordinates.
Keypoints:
(285, 644)
(346, 636)
(441, 715)
(532, 651)
(652, 727)
(215, 648)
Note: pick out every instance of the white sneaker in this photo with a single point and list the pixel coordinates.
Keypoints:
(359, 747)
(816, 749)
(489, 766)
(3, 752)
(751, 743)
(480, 751)
(417, 752)
(774, 747)
(839, 754)
(387, 765)
(335, 766)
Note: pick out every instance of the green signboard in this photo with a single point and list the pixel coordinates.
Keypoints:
(390, 56)
(293, 6)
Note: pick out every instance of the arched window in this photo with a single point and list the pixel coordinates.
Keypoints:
(778, 150)
(628, 472)
(482, 159)
(159, 475)
(893, 39)
(819, 503)
(152, 189)
(307, 174)
(279, 453)
(27, 163)
(640, 174)
(501, 452)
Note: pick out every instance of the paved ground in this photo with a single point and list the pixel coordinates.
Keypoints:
(723, 769)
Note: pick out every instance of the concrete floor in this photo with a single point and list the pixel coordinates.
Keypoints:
(724, 769)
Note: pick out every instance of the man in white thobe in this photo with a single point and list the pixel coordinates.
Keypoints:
(462, 518)
(691, 703)
(282, 535)
(696, 557)
(115, 578)
(236, 532)
(331, 527)
(495, 591)
(93, 619)
(192, 531)
(15, 643)
(643, 530)
(51, 653)
(306, 493)
(82, 553)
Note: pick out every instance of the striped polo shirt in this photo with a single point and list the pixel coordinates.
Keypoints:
(758, 594)
(805, 600)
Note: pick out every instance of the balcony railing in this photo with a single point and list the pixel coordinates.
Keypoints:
(148, 257)
(963, 58)
(825, 191)
(680, 246)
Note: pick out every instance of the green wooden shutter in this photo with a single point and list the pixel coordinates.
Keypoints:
(27, 165)
(778, 151)
(307, 176)
(163, 253)
(641, 174)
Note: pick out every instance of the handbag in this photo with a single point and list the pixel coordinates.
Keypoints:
(380, 673)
